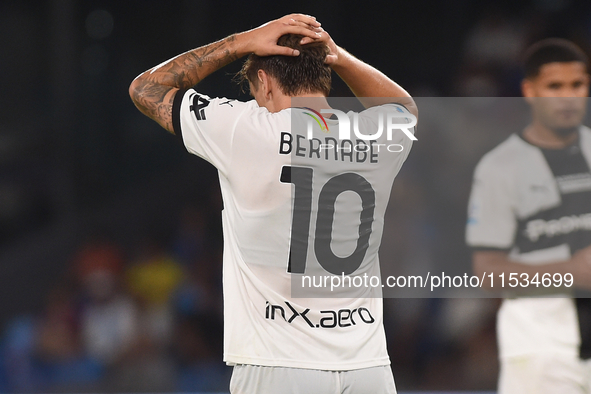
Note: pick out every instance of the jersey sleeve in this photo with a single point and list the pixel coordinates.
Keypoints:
(206, 125)
(491, 216)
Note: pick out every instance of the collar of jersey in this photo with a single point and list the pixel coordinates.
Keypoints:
(332, 118)
(576, 142)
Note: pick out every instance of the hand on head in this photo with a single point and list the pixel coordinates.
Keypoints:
(264, 38)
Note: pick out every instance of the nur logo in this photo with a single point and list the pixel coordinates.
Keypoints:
(323, 125)
(386, 121)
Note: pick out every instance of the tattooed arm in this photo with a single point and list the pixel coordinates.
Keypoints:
(153, 91)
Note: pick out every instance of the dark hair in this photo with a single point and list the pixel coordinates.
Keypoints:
(551, 50)
(295, 75)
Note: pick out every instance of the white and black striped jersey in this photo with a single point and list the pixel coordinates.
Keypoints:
(536, 204)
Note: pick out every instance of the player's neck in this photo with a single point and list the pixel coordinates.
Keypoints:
(315, 101)
(279, 102)
(539, 135)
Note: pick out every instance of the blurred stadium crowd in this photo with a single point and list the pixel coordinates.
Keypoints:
(149, 321)
(110, 236)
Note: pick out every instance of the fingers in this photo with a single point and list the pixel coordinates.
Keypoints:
(295, 22)
(330, 59)
(304, 19)
(321, 36)
(264, 38)
(302, 31)
(285, 51)
(309, 24)
(306, 40)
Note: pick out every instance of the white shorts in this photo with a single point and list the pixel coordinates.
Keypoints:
(249, 379)
(541, 374)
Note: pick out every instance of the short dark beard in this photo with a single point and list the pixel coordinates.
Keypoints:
(563, 132)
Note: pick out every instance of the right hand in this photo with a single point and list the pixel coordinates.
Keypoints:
(333, 55)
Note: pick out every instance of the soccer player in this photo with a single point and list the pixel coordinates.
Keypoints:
(529, 214)
(279, 217)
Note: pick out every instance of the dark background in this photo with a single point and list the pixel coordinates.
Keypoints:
(83, 173)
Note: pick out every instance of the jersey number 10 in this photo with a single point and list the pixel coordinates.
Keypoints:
(302, 178)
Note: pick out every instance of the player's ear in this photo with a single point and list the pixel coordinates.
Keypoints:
(264, 82)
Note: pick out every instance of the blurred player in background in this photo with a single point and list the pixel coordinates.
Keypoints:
(277, 343)
(529, 213)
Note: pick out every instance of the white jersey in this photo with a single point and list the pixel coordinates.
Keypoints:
(276, 231)
(536, 204)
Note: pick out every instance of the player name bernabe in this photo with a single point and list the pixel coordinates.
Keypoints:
(358, 151)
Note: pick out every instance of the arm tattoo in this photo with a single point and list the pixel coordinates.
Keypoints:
(188, 69)
(151, 90)
(150, 98)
